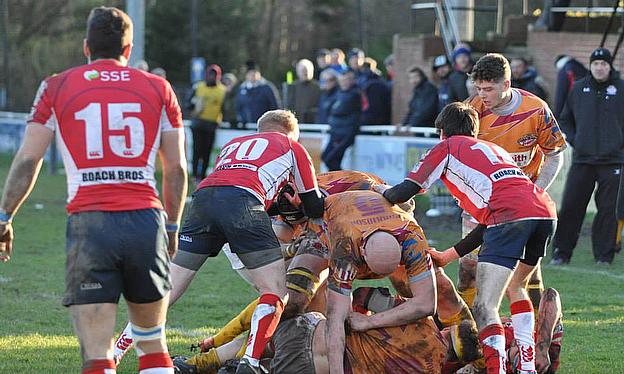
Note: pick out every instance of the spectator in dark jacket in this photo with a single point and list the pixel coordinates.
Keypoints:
(256, 96)
(569, 70)
(323, 60)
(442, 70)
(376, 96)
(229, 104)
(303, 95)
(463, 66)
(344, 121)
(423, 107)
(593, 121)
(329, 89)
(526, 78)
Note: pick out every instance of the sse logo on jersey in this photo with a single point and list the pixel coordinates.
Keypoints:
(107, 76)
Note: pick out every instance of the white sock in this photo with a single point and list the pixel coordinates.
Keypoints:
(523, 320)
(123, 343)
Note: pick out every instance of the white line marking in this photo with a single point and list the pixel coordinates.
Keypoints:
(572, 269)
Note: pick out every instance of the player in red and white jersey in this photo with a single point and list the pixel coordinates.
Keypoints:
(230, 206)
(516, 221)
(110, 122)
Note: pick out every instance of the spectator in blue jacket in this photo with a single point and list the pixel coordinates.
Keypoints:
(255, 96)
(423, 107)
(442, 69)
(329, 89)
(376, 96)
(569, 70)
(337, 61)
(344, 121)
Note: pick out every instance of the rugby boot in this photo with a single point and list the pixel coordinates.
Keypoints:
(181, 367)
(245, 367)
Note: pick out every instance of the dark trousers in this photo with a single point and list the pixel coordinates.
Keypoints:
(203, 140)
(582, 178)
(336, 147)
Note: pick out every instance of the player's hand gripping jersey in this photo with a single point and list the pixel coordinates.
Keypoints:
(350, 218)
(485, 180)
(261, 164)
(108, 121)
(528, 133)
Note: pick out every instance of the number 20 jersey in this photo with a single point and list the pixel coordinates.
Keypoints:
(261, 164)
(108, 120)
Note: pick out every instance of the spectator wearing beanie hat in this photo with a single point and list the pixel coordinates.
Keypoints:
(593, 121)
(442, 70)
(256, 96)
(462, 67)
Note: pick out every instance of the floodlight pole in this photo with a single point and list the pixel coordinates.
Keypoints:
(136, 11)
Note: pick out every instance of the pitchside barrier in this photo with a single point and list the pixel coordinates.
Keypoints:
(376, 150)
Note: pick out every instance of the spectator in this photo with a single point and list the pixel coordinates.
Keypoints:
(442, 70)
(141, 65)
(457, 80)
(208, 98)
(376, 96)
(303, 95)
(389, 64)
(255, 97)
(337, 61)
(355, 59)
(329, 89)
(423, 107)
(569, 70)
(344, 121)
(593, 121)
(323, 60)
(229, 104)
(159, 72)
(525, 77)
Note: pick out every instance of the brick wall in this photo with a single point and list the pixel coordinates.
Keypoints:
(544, 47)
(409, 50)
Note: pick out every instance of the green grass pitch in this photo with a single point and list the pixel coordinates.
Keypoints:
(36, 334)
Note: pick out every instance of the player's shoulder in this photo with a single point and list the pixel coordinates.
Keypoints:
(530, 100)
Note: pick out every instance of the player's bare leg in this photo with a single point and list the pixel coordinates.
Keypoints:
(535, 287)
(302, 281)
(94, 325)
(466, 274)
(550, 315)
(522, 316)
(492, 280)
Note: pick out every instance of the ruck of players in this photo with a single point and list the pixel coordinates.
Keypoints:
(303, 239)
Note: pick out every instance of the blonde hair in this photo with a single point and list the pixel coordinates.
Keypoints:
(283, 121)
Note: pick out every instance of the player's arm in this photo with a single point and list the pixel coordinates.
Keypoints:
(21, 180)
(550, 313)
(312, 199)
(338, 308)
(173, 158)
(174, 182)
(425, 173)
(466, 245)
(552, 143)
(420, 305)
(551, 167)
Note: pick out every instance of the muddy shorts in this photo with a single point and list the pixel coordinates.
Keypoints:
(114, 253)
(225, 214)
(293, 340)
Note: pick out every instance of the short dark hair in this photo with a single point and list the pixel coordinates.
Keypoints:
(458, 119)
(469, 337)
(492, 67)
(109, 30)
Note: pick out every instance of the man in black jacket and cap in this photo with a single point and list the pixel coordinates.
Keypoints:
(593, 121)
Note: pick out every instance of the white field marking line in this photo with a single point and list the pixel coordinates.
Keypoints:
(5, 279)
(572, 269)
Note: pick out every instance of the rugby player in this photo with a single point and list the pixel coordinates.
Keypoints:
(523, 125)
(110, 121)
(516, 221)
